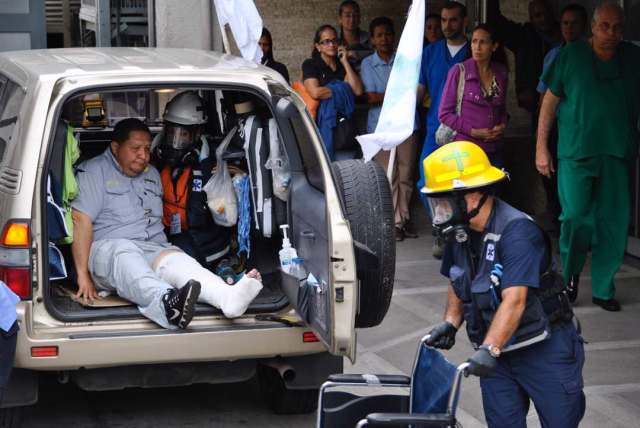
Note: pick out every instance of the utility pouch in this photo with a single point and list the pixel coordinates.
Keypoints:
(554, 299)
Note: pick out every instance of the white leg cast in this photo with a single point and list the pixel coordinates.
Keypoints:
(242, 294)
(178, 268)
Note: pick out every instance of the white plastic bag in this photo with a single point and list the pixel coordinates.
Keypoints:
(221, 196)
(278, 164)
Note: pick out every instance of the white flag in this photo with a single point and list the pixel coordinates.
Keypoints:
(399, 107)
(245, 23)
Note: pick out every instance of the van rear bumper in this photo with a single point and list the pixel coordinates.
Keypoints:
(141, 342)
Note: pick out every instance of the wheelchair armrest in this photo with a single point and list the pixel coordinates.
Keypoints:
(386, 419)
(399, 380)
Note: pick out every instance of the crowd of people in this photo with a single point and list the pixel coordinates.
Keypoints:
(462, 95)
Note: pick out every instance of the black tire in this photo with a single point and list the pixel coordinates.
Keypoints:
(11, 417)
(368, 205)
(280, 399)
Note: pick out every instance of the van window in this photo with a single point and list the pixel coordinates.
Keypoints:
(117, 105)
(11, 98)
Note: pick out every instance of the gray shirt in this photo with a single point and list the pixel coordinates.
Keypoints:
(119, 206)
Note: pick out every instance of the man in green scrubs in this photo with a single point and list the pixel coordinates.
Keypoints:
(595, 88)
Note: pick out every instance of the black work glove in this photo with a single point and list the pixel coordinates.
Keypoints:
(442, 336)
(481, 363)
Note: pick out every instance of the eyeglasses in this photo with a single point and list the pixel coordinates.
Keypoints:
(327, 42)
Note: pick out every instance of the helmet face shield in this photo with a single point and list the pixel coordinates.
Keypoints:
(449, 217)
(180, 137)
(179, 143)
(441, 210)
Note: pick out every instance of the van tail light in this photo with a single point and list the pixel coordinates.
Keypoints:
(309, 337)
(44, 351)
(15, 264)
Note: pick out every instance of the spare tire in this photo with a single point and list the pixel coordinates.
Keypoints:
(368, 205)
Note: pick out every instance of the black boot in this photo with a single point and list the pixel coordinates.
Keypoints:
(610, 305)
(572, 288)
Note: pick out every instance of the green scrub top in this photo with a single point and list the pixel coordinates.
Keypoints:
(600, 101)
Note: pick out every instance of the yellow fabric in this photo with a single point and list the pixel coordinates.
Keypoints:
(460, 165)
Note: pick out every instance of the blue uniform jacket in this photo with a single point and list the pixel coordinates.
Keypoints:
(341, 102)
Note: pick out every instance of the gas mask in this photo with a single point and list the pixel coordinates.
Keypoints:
(450, 216)
(179, 144)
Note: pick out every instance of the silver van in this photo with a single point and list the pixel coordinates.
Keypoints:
(292, 336)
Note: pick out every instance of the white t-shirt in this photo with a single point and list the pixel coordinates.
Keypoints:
(454, 49)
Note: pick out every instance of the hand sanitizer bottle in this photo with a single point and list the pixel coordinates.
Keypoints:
(287, 253)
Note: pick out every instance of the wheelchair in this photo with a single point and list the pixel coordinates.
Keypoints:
(428, 398)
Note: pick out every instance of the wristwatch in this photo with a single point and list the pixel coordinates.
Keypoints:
(494, 351)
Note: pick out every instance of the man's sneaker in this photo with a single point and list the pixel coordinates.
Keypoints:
(179, 304)
(572, 288)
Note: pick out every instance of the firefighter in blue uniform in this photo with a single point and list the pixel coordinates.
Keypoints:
(505, 288)
(185, 165)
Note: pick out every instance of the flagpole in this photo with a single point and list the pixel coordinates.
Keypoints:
(223, 31)
(391, 166)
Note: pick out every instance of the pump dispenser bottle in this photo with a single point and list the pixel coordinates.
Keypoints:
(287, 253)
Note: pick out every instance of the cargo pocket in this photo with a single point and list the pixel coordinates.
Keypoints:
(576, 383)
(119, 204)
(578, 350)
(573, 386)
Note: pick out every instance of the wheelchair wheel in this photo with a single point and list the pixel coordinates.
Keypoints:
(280, 399)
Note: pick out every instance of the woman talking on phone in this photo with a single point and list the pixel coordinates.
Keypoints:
(329, 78)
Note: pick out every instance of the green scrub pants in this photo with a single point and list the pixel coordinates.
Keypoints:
(595, 200)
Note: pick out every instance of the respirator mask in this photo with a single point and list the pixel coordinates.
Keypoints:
(179, 144)
(450, 217)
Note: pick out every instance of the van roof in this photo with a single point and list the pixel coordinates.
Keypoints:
(27, 66)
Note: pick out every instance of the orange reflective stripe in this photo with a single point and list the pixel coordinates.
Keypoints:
(175, 199)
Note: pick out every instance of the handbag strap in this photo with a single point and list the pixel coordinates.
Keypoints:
(460, 92)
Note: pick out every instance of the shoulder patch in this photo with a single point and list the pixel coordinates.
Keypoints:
(491, 252)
